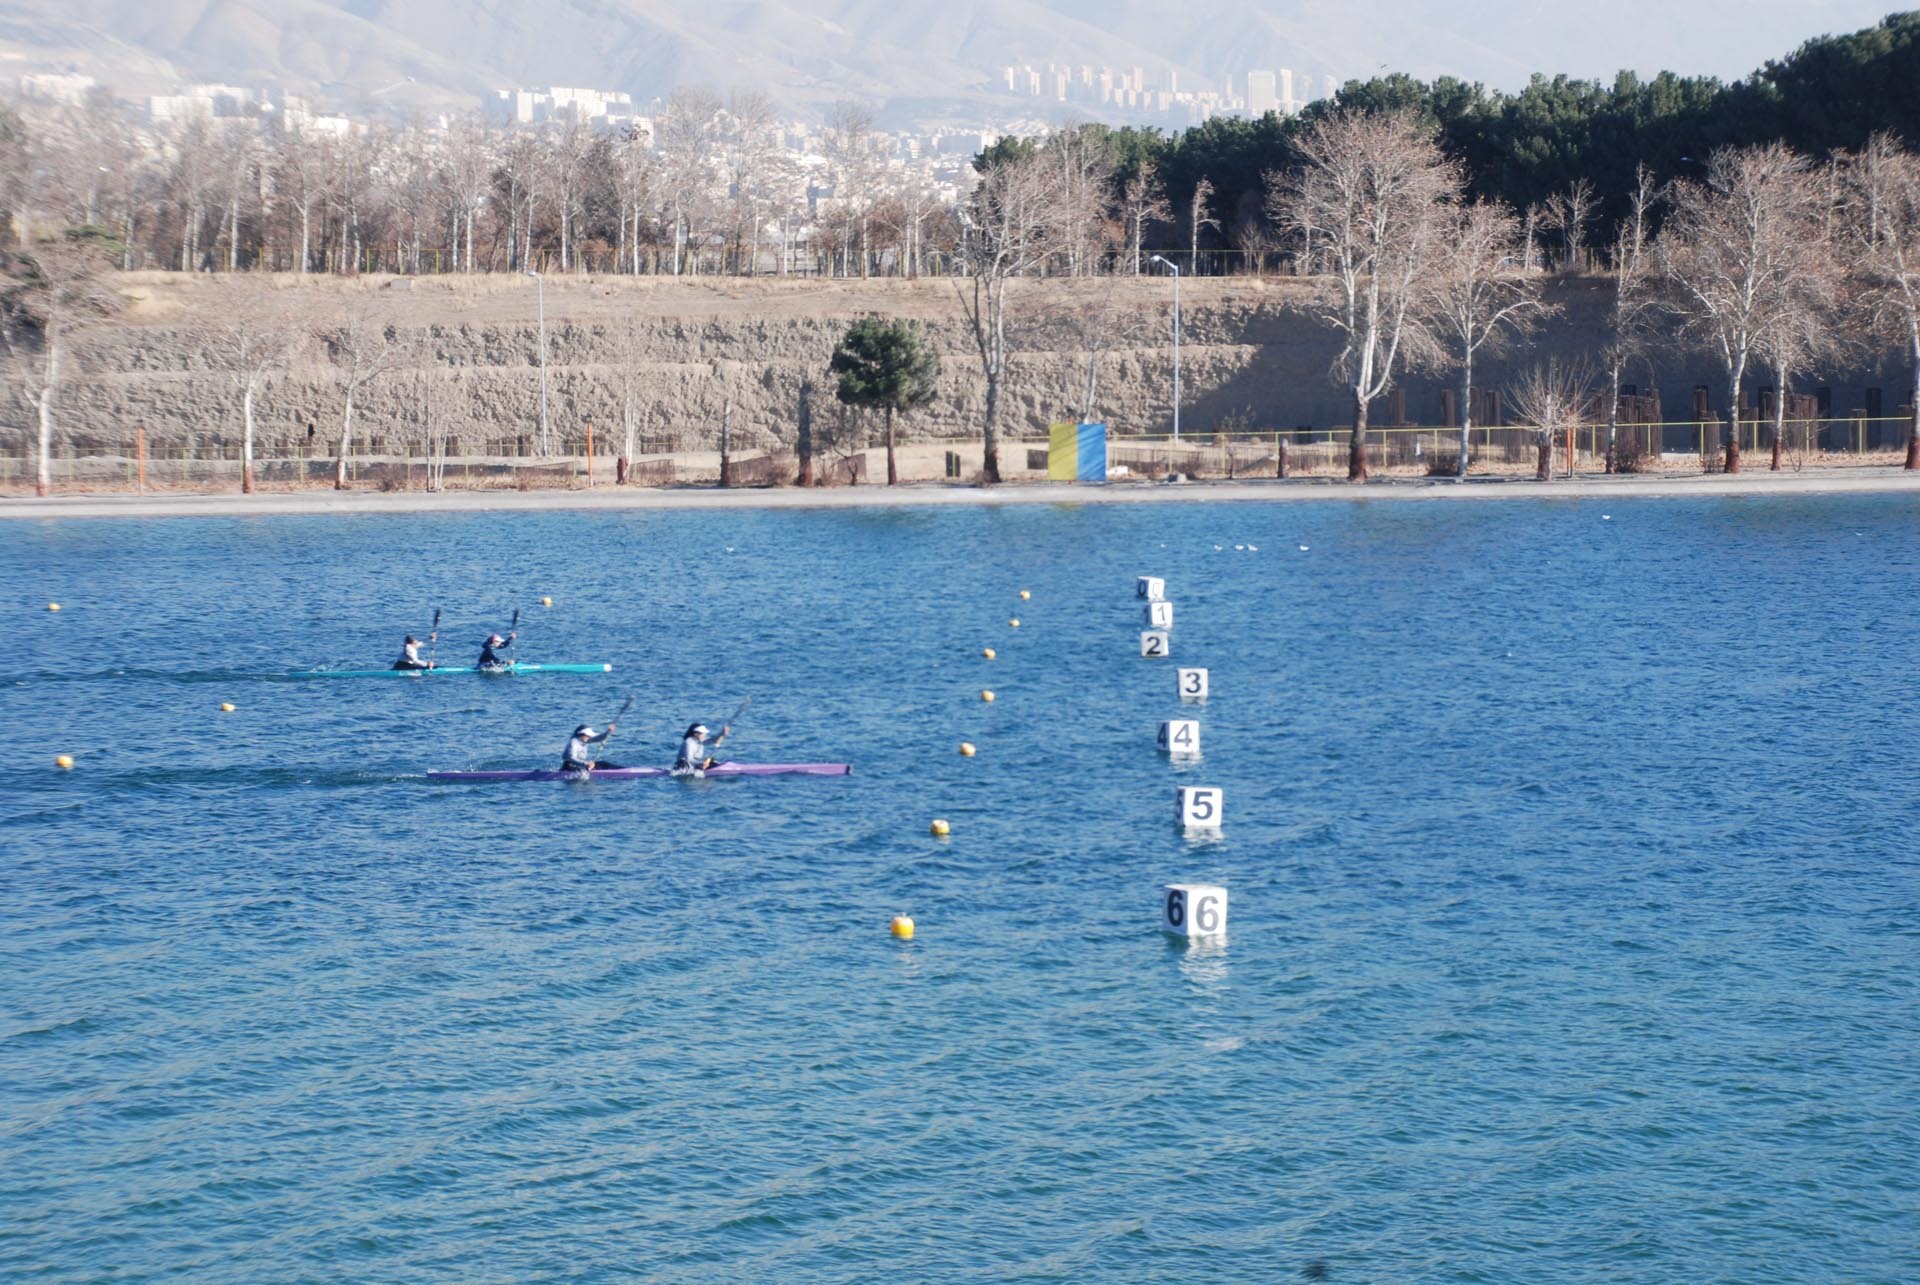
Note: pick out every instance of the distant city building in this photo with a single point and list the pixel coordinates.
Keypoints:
(57, 87)
(1262, 95)
(576, 106)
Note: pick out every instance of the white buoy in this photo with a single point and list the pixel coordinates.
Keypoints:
(1153, 644)
(1192, 683)
(1180, 737)
(1150, 588)
(1194, 910)
(1157, 615)
(1199, 806)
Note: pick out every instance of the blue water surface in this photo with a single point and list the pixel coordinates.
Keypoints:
(1571, 847)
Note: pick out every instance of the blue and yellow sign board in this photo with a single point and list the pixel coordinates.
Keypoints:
(1077, 453)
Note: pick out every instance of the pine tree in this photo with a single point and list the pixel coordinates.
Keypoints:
(885, 365)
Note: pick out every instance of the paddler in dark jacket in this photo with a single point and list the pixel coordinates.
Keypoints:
(578, 756)
(492, 659)
(410, 654)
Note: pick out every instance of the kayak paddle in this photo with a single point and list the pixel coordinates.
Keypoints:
(433, 640)
(615, 719)
(513, 640)
(727, 726)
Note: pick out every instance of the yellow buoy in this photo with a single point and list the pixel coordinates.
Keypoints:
(966, 749)
(902, 927)
(989, 653)
(986, 696)
(1014, 623)
(546, 602)
(227, 707)
(65, 763)
(939, 829)
(53, 606)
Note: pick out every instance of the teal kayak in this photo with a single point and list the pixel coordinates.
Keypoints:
(524, 668)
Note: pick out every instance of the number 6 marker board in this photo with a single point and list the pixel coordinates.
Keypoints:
(1194, 910)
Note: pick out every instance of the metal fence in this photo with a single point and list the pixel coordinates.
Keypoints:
(1669, 448)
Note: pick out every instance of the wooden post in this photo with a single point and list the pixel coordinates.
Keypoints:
(726, 445)
(589, 452)
(1280, 452)
(140, 451)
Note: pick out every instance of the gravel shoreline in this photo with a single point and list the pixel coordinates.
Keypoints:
(266, 504)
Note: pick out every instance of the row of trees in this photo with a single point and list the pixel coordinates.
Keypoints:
(1766, 260)
(714, 190)
(711, 189)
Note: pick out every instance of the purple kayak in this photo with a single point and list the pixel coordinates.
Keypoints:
(638, 773)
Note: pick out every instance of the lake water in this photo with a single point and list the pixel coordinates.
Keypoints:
(1571, 847)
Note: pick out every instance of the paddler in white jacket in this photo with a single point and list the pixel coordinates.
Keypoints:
(694, 747)
(410, 654)
(578, 756)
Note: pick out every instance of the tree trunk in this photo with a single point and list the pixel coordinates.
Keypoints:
(1280, 457)
(1357, 446)
(246, 442)
(43, 482)
(1466, 417)
(1733, 424)
(803, 436)
(1613, 414)
(893, 472)
(1543, 470)
(726, 445)
(1779, 417)
(346, 443)
(1913, 429)
(990, 462)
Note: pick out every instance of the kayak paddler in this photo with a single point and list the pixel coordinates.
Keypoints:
(410, 654)
(490, 657)
(694, 747)
(579, 752)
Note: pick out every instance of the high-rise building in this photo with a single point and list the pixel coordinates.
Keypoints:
(1261, 97)
(1288, 103)
(1332, 83)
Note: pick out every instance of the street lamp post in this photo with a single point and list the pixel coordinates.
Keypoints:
(540, 283)
(1174, 268)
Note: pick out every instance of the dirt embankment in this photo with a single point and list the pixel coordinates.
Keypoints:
(669, 355)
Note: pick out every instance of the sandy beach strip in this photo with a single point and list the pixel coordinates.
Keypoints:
(1863, 481)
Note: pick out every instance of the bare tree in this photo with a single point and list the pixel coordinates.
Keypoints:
(50, 292)
(1370, 193)
(1883, 224)
(1634, 303)
(1142, 201)
(1093, 328)
(1085, 206)
(1199, 215)
(1554, 397)
(851, 151)
(1480, 297)
(1730, 252)
(363, 347)
(252, 339)
(467, 179)
(688, 131)
(1007, 231)
(1570, 212)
